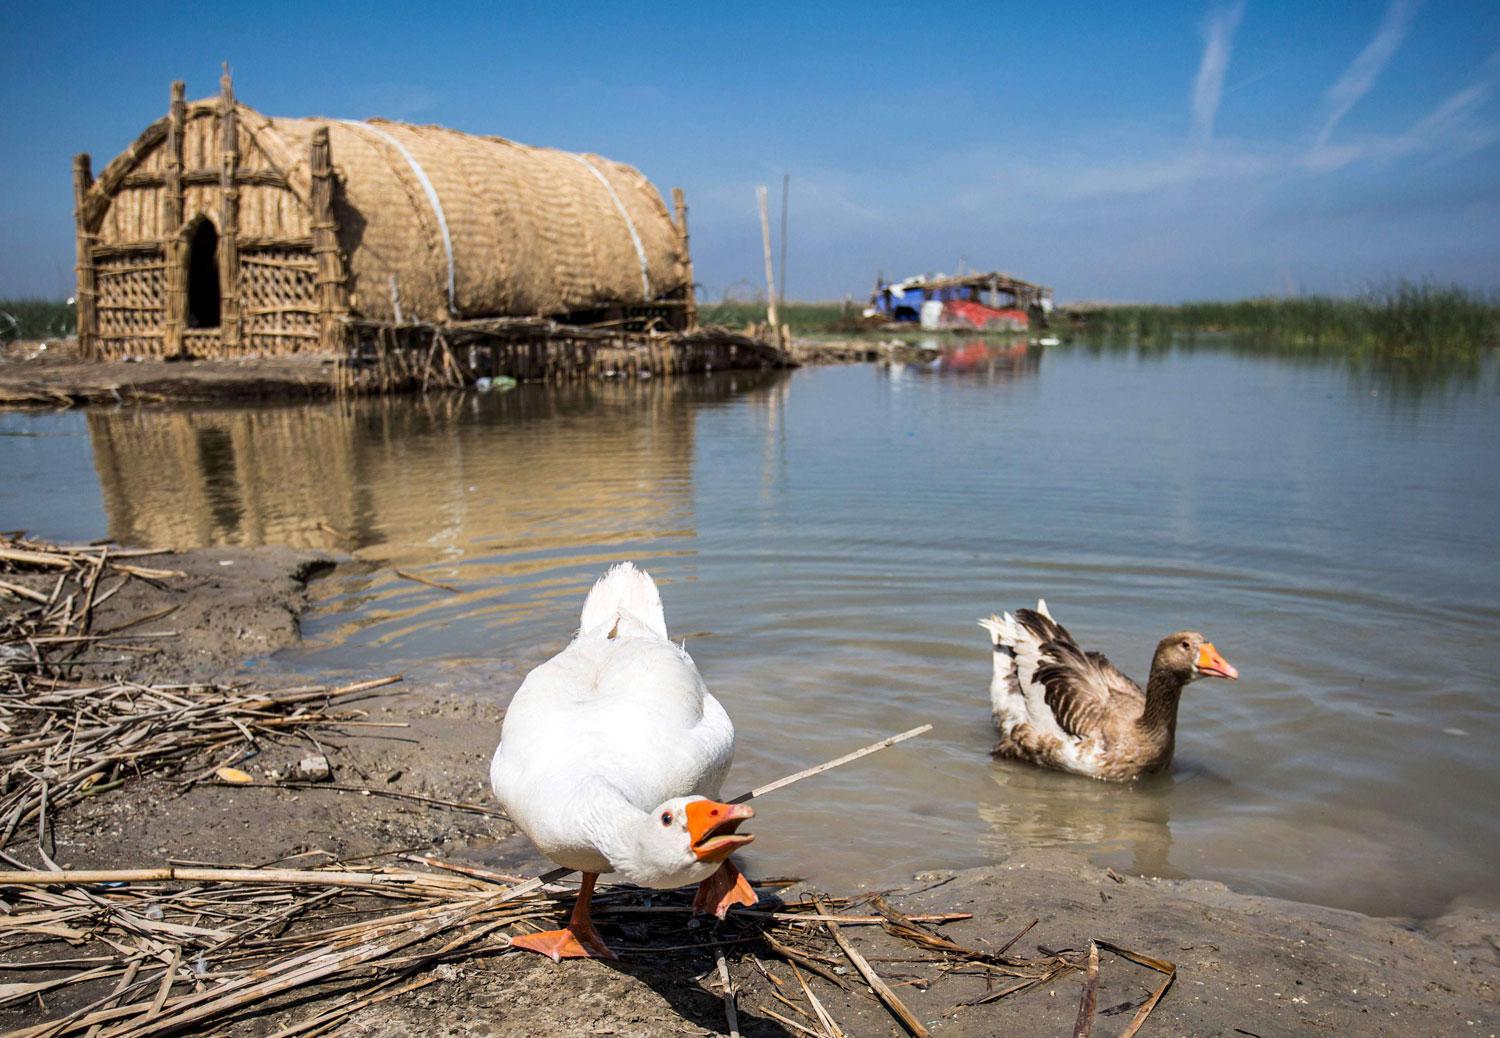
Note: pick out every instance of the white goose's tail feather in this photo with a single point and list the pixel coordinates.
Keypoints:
(1014, 647)
(1006, 702)
(1002, 635)
(624, 592)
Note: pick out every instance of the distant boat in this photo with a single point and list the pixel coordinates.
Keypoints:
(991, 302)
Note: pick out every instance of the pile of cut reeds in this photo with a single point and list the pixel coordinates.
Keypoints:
(123, 953)
(48, 596)
(63, 743)
(62, 740)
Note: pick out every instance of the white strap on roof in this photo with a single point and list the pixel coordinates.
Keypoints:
(640, 250)
(432, 198)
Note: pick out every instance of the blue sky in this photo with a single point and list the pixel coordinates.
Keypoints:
(1146, 152)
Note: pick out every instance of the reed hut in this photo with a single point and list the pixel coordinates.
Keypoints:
(222, 232)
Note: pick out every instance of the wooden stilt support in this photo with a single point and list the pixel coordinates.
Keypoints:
(765, 238)
(88, 328)
(229, 218)
(174, 248)
(332, 288)
(690, 297)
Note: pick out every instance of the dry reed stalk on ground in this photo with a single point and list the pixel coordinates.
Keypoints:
(62, 740)
(234, 938)
(61, 744)
(877, 984)
(1088, 1001)
(197, 946)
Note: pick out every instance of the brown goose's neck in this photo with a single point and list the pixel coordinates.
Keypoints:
(1163, 691)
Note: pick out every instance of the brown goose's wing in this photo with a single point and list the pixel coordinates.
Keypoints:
(1080, 688)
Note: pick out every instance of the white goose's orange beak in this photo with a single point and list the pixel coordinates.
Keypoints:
(1214, 665)
(711, 828)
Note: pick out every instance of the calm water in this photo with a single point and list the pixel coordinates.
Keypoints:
(825, 540)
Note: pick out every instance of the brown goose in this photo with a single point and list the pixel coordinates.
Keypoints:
(1061, 707)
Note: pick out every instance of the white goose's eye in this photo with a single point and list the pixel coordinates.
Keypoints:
(666, 818)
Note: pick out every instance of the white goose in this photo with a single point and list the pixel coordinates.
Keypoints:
(611, 757)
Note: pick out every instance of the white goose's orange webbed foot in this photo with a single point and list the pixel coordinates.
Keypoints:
(723, 889)
(568, 943)
(577, 940)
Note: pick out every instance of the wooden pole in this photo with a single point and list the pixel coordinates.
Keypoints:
(332, 301)
(765, 240)
(786, 186)
(88, 330)
(174, 248)
(690, 312)
(229, 218)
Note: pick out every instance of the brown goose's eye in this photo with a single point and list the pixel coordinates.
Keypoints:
(666, 818)
(1186, 645)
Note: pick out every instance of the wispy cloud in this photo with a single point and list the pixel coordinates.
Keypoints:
(1208, 85)
(1450, 126)
(1359, 78)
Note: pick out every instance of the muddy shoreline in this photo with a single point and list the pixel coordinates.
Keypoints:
(53, 375)
(1246, 965)
(33, 377)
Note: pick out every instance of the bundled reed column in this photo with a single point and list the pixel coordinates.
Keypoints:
(229, 219)
(174, 249)
(88, 328)
(332, 290)
(690, 298)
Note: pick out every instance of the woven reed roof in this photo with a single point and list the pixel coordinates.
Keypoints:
(529, 230)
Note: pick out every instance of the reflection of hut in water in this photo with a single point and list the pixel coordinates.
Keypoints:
(223, 232)
(264, 476)
(534, 468)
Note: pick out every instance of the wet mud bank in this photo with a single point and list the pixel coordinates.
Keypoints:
(58, 377)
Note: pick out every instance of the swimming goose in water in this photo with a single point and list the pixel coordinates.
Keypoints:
(611, 757)
(1061, 707)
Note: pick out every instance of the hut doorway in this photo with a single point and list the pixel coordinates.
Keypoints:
(203, 276)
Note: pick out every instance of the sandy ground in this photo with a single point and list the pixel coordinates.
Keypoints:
(1246, 965)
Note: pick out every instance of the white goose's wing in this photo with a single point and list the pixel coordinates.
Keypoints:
(630, 710)
(676, 739)
(1066, 688)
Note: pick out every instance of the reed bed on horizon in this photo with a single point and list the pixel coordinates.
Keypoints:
(1404, 319)
(801, 318)
(36, 318)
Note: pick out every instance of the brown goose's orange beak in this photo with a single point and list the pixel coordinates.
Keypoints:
(1214, 665)
(711, 828)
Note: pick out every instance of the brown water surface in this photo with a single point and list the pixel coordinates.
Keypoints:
(826, 539)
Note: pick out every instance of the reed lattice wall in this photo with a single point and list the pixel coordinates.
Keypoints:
(278, 300)
(130, 290)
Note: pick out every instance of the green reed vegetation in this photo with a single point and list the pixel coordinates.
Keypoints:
(802, 318)
(1419, 321)
(36, 319)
